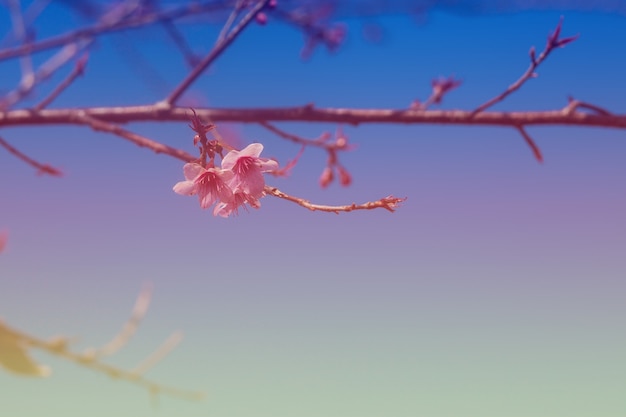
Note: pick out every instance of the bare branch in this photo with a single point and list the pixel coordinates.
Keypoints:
(553, 42)
(179, 40)
(239, 5)
(14, 346)
(390, 203)
(96, 124)
(193, 8)
(214, 54)
(573, 105)
(44, 72)
(441, 86)
(321, 142)
(19, 29)
(41, 168)
(77, 71)
(130, 327)
(531, 143)
(159, 354)
(309, 113)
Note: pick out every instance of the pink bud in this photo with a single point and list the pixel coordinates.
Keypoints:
(533, 58)
(261, 18)
(272, 4)
(344, 176)
(326, 178)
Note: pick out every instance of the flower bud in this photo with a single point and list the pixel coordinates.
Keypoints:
(327, 177)
(345, 178)
(261, 18)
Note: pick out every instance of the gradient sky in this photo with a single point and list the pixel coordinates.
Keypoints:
(497, 289)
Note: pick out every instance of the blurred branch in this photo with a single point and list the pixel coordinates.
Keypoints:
(158, 355)
(133, 22)
(214, 54)
(130, 327)
(41, 168)
(19, 30)
(44, 72)
(15, 344)
(77, 71)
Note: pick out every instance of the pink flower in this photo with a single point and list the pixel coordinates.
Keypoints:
(248, 171)
(209, 183)
(232, 207)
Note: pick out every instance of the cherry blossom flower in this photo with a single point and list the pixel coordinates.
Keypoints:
(248, 171)
(232, 207)
(209, 183)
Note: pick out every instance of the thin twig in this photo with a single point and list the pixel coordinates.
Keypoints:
(32, 12)
(440, 87)
(230, 21)
(158, 355)
(44, 72)
(553, 42)
(320, 142)
(40, 167)
(179, 40)
(19, 29)
(60, 349)
(533, 146)
(390, 203)
(130, 327)
(77, 71)
(574, 105)
(214, 54)
(107, 27)
(138, 140)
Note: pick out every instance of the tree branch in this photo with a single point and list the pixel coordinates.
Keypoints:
(309, 113)
(40, 167)
(390, 203)
(192, 9)
(553, 42)
(214, 54)
(77, 71)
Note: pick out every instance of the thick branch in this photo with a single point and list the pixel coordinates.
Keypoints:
(310, 113)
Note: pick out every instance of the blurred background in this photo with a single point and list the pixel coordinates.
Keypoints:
(497, 289)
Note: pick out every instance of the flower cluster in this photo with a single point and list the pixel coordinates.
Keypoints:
(238, 182)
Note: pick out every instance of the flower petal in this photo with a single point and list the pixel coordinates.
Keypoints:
(253, 150)
(267, 165)
(192, 171)
(185, 188)
(207, 199)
